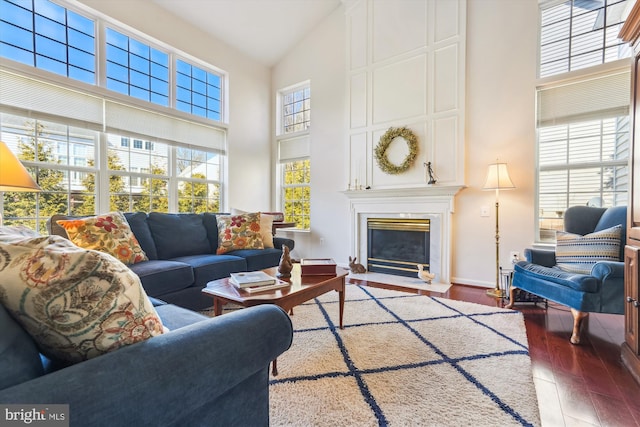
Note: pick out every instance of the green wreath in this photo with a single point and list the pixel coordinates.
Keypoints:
(381, 150)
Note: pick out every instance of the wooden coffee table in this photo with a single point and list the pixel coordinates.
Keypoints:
(302, 289)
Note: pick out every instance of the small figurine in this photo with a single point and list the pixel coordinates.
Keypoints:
(432, 179)
(285, 266)
(355, 267)
(427, 276)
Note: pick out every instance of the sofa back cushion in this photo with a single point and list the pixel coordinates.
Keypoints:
(138, 223)
(178, 235)
(19, 357)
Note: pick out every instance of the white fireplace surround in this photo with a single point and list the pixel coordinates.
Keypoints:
(435, 203)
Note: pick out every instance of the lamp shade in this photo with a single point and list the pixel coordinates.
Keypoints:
(13, 175)
(498, 178)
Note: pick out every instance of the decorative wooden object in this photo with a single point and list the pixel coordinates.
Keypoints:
(630, 349)
(286, 265)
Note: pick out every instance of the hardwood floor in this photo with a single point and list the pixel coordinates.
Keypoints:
(583, 385)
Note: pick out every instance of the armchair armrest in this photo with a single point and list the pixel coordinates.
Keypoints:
(606, 270)
(169, 378)
(544, 257)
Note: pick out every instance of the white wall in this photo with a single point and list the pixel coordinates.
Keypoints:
(320, 58)
(501, 54)
(250, 164)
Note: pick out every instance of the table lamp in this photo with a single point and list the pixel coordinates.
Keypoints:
(13, 175)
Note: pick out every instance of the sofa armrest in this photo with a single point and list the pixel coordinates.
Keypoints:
(545, 257)
(167, 379)
(279, 241)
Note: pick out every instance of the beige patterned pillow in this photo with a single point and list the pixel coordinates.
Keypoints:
(266, 226)
(237, 232)
(76, 303)
(109, 233)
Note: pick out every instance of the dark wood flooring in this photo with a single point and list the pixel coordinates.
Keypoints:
(577, 385)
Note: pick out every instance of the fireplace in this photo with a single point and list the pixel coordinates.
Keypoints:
(433, 203)
(398, 245)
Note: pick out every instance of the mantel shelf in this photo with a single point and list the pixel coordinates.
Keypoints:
(423, 191)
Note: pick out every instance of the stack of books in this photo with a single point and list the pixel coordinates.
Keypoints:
(256, 281)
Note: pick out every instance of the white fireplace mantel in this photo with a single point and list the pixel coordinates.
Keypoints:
(433, 202)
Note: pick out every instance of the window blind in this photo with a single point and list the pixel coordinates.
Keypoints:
(292, 149)
(595, 98)
(28, 96)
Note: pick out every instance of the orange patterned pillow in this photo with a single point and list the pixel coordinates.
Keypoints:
(239, 232)
(109, 233)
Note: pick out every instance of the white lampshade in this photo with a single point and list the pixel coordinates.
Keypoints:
(13, 175)
(498, 178)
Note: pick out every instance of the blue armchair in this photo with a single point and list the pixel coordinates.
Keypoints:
(600, 288)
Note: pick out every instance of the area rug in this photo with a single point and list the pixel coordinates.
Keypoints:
(404, 281)
(404, 360)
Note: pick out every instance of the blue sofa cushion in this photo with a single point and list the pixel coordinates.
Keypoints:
(211, 225)
(178, 235)
(211, 267)
(579, 282)
(259, 259)
(138, 223)
(174, 317)
(19, 357)
(159, 276)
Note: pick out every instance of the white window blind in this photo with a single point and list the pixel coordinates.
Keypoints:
(25, 96)
(293, 149)
(598, 97)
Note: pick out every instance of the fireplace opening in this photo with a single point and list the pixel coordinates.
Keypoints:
(397, 245)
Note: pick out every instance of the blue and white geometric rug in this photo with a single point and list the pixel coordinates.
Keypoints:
(404, 360)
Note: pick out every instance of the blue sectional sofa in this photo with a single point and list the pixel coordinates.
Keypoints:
(182, 255)
(205, 371)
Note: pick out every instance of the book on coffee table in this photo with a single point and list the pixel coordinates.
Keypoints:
(248, 279)
(263, 288)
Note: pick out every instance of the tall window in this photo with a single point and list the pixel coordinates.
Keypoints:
(582, 118)
(294, 154)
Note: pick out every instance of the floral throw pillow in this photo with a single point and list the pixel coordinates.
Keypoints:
(239, 232)
(75, 303)
(109, 233)
(266, 226)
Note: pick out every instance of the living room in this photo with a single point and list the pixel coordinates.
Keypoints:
(486, 89)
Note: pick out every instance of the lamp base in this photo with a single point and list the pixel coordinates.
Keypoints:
(497, 293)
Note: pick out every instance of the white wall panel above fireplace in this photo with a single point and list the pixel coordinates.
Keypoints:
(400, 90)
(399, 26)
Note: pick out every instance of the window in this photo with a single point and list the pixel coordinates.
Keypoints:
(577, 34)
(297, 192)
(47, 36)
(198, 176)
(198, 91)
(296, 109)
(67, 180)
(50, 37)
(582, 118)
(124, 142)
(136, 69)
(137, 144)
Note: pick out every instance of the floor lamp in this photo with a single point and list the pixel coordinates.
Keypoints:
(497, 179)
(13, 175)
